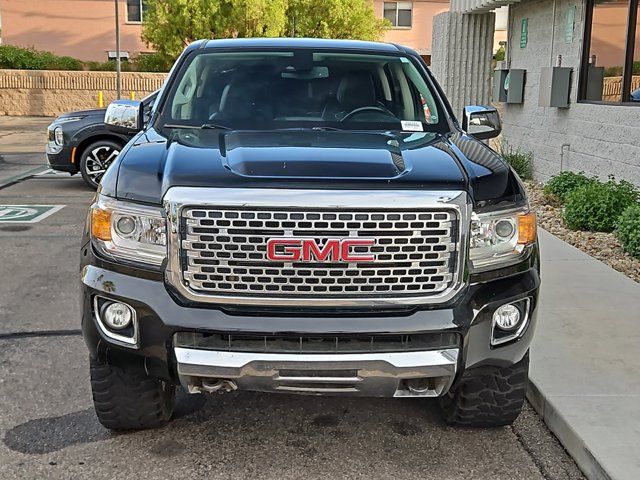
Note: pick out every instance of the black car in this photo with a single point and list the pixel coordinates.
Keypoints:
(308, 216)
(80, 142)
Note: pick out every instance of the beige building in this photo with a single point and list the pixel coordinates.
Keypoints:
(412, 22)
(85, 28)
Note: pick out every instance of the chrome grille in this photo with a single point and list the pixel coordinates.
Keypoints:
(223, 252)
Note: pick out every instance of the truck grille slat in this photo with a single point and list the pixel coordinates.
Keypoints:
(317, 343)
(223, 251)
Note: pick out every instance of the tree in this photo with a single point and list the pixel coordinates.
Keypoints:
(349, 19)
(254, 18)
(170, 25)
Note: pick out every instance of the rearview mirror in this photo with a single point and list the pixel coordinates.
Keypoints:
(124, 116)
(481, 122)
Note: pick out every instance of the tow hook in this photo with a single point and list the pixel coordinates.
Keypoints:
(218, 385)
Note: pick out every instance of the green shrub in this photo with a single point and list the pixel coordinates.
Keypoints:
(596, 205)
(66, 63)
(561, 184)
(109, 66)
(31, 59)
(613, 71)
(153, 62)
(628, 230)
(522, 162)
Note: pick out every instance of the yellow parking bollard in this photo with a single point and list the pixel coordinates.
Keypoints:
(132, 95)
(100, 99)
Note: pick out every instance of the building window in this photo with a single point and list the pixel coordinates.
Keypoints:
(135, 10)
(399, 13)
(611, 52)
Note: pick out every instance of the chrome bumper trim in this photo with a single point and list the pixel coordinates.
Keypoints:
(363, 374)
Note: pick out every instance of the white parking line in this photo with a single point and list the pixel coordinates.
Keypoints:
(27, 213)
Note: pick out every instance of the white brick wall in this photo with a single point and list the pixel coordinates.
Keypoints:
(598, 139)
(463, 70)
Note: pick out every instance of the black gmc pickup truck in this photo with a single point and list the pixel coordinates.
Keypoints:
(307, 216)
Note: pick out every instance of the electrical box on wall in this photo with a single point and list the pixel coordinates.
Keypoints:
(555, 85)
(514, 85)
(499, 93)
(595, 83)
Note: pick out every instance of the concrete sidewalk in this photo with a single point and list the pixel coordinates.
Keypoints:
(585, 361)
(22, 144)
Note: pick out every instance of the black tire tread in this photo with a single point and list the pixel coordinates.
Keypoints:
(129, 399)
(487, 399)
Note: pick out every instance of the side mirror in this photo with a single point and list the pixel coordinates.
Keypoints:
(124, 116)
(481, 122)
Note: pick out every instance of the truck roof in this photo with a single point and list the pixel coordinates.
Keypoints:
(300, 43)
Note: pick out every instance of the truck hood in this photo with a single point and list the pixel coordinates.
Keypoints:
(96, 112)
(157, 161)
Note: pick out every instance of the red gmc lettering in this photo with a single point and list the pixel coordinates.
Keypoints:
(308, 250)
(291, 253)
(311, 250)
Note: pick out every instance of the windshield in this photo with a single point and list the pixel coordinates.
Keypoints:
(301, 89)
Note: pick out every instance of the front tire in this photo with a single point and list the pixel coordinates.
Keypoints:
(128, 398)
(487, 399)
(95, 160)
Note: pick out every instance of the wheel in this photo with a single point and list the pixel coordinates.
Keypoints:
(96, 158)
(129, 399)
(488, 399)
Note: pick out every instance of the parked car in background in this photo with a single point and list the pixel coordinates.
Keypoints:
(79, 142)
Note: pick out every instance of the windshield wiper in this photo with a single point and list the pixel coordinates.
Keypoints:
(214, 126)
(204, 126)
(306, 129)
(178, 125)
(327, 129)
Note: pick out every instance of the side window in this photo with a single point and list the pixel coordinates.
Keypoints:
(394, 90)
(426, 110)
(147, 106)
(181, 107)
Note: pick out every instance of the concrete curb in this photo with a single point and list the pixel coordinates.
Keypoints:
(5, 182)
(568, 437)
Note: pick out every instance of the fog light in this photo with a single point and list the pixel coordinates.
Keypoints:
(507, 317)
(117, 315)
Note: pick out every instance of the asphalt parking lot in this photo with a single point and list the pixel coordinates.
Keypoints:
(48, 428)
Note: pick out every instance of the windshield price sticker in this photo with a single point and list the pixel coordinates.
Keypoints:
(26, 213)
(411, 126)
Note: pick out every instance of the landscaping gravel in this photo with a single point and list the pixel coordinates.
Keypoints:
(603, 246)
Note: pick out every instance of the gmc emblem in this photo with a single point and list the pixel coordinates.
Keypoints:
(308, 250)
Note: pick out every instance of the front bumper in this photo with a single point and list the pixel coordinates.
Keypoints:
(364, 374)
(60, 160)
(161, 313)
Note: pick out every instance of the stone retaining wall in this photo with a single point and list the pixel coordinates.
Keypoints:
(50, 93)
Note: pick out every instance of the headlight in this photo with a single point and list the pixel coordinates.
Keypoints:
(129, 232)
(58, 136)
(501, 238)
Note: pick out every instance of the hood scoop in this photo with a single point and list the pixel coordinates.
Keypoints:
(311, 154)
